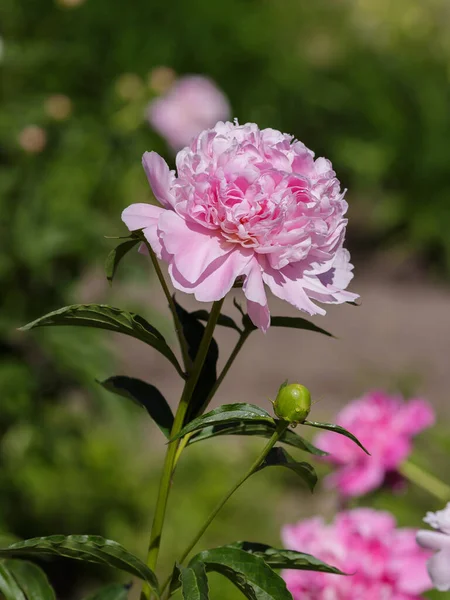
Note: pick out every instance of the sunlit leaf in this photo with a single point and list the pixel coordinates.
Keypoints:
(30, 578)
(115, 256)
(115, 591)
(278, 457)
(336, 429)
(194, 582)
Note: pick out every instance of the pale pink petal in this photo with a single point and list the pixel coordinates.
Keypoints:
(439, 570)
(284, 285)
(140, 216)
(433, 540)
(160, 178)
(192, 246)
(217, 280)
(259, 315)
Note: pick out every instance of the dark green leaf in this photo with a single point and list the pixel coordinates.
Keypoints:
(9, 588)
(193, 331)
(290, 322)
(223, 320)
(31, 579)
(116, 255)
(286, 559)
(249, 573)
(259, 429)
(115, 591)
(227, 413)
(145, 395)
(278, 457)
(106, 317)
(194, 583)
(336, 429)
(88, 548)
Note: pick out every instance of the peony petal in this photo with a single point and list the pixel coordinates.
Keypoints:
(439, 570)
(217, 280)
(140, 216)
(192, 246)
(160, 178)
(259, 315)
(357, 480)
(286, 286)
(417, 415)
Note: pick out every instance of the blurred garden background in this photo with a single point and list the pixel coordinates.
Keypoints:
(365, 83)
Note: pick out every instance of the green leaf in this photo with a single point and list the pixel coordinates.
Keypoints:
(227, 413)
(30, 578)
(102, 316)
(223, 320)
(336, 429)
(249, 573)
(290, 322)
(259, 429)
(278, 457)
(286, 559)
(115, 256)
(88, 548)
(9, 587)
(145, 395)
(193, 331)
(115, 591)
(194, 583)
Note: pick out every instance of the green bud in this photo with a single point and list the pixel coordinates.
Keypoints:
(292, 403)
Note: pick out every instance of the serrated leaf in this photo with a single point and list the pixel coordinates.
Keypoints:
(194, 582)
(88, 548)
(115, 591)
(223, 320)
(278, 457)
(249, 573)
(30, 578)
(145, 395)
(256, 429)
(227, 413)
(336, 429)
(115, 256)
(279, 558)
(289, 322)
(102, 316)
(193, 331)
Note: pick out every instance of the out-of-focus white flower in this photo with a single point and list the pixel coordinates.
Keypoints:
(438, 541)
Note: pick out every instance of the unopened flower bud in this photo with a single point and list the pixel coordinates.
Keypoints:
(292, 403)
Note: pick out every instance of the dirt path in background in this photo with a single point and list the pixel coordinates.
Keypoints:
(399, 336)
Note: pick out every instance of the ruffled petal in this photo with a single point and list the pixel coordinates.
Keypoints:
(193, 247)
(160, 178)
(141, 215)
(217, 280)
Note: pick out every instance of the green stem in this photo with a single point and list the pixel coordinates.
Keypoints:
(425, 480)
(178, 326)
(277, 434)
(164, 487)
(241, 341)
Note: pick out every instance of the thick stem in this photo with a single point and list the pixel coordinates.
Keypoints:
(178, 327)
(425, 480)
(164, 487)
(277, 434)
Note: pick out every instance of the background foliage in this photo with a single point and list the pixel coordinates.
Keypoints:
(365, 83)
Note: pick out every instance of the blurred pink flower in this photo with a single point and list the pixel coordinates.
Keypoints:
(385, 425)
(252, 203)
(192, 104)
(439, 542)
(382, 562)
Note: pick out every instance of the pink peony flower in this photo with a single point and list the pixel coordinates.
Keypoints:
(191, 105)
(385, 425)
(438, 542)
(248, 203)
(382, 562)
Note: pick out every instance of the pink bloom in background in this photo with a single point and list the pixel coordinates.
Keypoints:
(382, 562)
(192, 104)
(248, 203)
(385, 424)
(438, 542)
